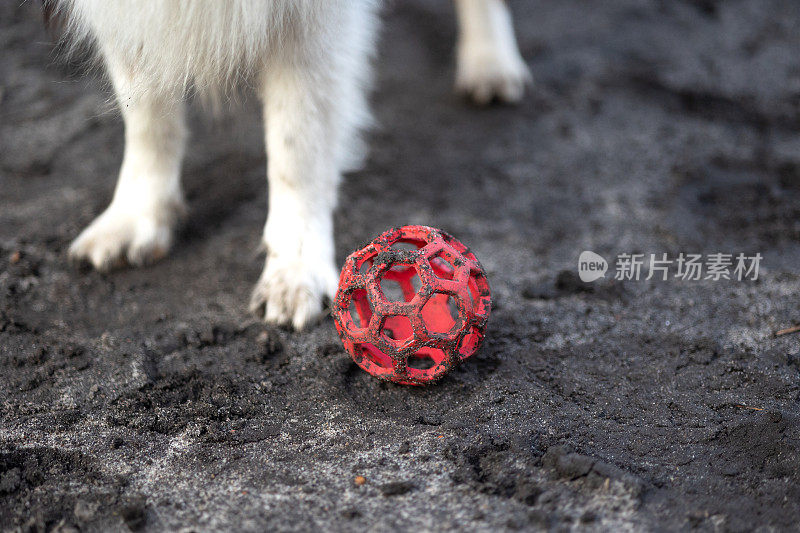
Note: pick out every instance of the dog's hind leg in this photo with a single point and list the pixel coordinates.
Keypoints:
(137, 226)
(489, 64)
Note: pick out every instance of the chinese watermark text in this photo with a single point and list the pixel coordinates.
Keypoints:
(662, 267)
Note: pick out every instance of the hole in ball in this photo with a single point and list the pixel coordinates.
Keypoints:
(421, 362)
(360, 309)
(371, 353)
(440, 313)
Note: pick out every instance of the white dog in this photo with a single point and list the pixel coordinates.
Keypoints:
(310, 60)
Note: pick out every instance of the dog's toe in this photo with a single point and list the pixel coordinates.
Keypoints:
(291, 294)
(485, 74)
(117, 237)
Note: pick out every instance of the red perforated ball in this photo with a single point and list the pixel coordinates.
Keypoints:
(412, 305)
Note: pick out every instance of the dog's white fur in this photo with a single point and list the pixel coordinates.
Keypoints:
(310, 61)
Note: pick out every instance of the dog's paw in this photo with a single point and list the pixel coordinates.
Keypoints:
(487, 72)
(292, 292)
(122, 235)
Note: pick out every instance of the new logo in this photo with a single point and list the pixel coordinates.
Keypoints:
(591, 266)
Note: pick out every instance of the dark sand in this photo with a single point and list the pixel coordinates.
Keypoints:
(151, 399)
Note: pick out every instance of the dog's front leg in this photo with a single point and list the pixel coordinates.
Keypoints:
(303, 133)
(137, 226)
